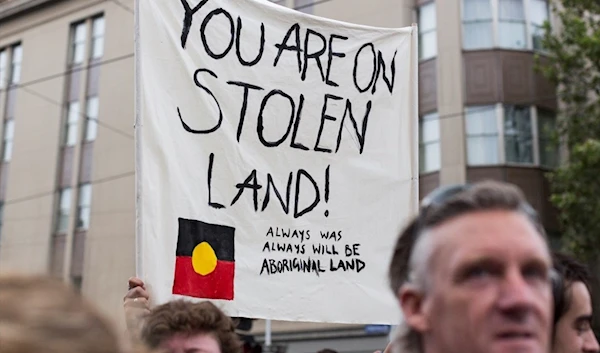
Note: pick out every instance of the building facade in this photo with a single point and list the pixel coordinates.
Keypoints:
(67, 176)
(67, 203)
(485, 112)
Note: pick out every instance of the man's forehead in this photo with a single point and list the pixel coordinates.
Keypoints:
(581, 299)
(488, 233)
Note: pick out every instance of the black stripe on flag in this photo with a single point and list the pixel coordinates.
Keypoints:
(193, 232)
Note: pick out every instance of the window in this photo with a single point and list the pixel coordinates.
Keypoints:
(97, 37)
(429, 143)
(477, 24)
(91, 129)
(64, 210)
(539, 13)
(427, 33)
(515, 125)
(84, 206)
(503, 23)
(7, 146)
(72, 119)
(546, 135)
(482, 136)
(511, 24)
(3, 68)
(17, 58)
(77, 283)
(518, 136)
(305, 6)
(78, 44)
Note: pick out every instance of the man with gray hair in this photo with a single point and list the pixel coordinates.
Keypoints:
(472, 274)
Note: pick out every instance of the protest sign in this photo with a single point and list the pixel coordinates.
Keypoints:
(276, 158)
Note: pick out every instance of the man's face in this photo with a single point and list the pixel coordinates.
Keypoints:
(198, 343)
(489, 287)
(573, 330)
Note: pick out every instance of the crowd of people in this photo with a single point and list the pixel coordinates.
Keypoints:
(472, 273)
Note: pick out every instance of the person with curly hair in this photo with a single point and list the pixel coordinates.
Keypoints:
(179, 326)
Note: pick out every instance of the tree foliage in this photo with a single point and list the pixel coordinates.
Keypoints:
(573, 64)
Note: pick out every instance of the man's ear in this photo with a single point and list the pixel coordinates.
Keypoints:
(412, 303)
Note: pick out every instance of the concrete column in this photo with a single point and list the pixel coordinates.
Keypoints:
(450, 92)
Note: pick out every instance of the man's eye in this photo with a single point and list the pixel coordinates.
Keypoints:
(477, 272)
(583, 326)
(480, 272)
(535, 272)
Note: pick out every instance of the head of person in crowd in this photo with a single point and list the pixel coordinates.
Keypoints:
(42, 314)
(572, 331)
(181, 327)
(472, 274)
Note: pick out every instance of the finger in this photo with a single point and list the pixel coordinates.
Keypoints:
(137, 292)
(135, 282)
(136, 303)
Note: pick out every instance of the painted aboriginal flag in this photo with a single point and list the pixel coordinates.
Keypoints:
(205, 263)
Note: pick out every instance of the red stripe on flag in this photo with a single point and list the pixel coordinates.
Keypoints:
(216, 285)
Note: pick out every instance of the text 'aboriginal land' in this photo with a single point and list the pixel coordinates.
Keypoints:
(322, 254)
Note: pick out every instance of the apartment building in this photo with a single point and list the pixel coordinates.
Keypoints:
(67, 158)
(485, 113)
(67, 172)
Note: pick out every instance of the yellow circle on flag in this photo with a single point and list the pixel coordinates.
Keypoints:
(204, 259)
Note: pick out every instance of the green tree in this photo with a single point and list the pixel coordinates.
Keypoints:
(573, 64)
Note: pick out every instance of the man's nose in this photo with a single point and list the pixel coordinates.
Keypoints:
(517, 297)
(590, 345)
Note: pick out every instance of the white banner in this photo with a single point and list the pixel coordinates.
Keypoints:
(276, 158)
